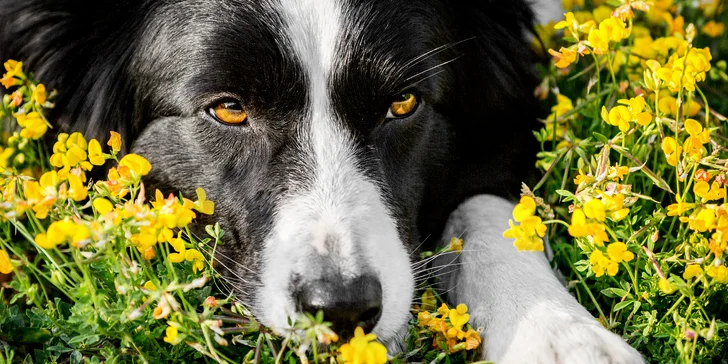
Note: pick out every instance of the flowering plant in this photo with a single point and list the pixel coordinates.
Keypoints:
(632, 204)
(93, 271)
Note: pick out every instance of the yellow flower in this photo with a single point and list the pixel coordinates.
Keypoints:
(13, 69)
(719, 273)
(594, 209)
(610, 29)
(569, 4)
(423, 318)
(578, 226)
(524, 240)
(618, 252)
(678, 208)
(627, 111)
(472, 340)
(95, 155)
(39, 94)
(76, 140)
(597, 233)
(136, 164)
(77, 191)
(572, 24)
(202, 204)
(665, 286)
(193, 255)
(456, 244)
(115, 141)
(650, 75)
(102, 205)
(178, 244)
(524, 209)
(702, 220)
(150, 286)
(617, 172)
(5, 266)
(706, 192)
(533, 226)
(459, 316)
(362, 349)
(563, 105)
(691, 271)
(172, 336)
(581, 178)
(601, 264)
(713, 29)
(33, 125)
(671, 149)
(564, 57)
(693, 145)
(674, 25)
(692, 68)
(617, 116)
(62, 231)
(601, 13)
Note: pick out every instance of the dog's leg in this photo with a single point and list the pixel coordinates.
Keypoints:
(527, 315)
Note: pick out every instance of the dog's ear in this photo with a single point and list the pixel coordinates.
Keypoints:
(81, 48)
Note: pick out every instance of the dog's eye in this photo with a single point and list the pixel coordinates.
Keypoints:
(229, 112)
(404, 105)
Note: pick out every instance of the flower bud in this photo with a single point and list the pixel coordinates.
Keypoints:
(690, 32)
(689, 334)
(711, 330)
(57, 277)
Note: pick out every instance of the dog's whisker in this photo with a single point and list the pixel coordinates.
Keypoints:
(423, 268)
(433, 270)
(236, 275)
(433, 52)
(427, 260)
(209, 251)
(433, 68)
(420, 244)
(425, 78)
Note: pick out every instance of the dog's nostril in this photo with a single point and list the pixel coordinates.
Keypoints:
(346, 304)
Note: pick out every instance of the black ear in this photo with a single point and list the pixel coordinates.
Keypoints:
(81, 48)
(497, 98)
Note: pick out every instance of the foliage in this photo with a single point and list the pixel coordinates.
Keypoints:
(635, 160)
(96, 271)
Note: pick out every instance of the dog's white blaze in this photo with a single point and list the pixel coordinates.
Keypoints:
(342, 202)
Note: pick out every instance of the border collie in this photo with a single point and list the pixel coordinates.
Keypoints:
(335, 137)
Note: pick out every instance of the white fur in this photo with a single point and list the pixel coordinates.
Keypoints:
(528, 316)
(341, 202)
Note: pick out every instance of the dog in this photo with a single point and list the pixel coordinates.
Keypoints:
(336, 138)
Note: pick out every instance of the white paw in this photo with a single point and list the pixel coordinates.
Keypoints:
(560, 338)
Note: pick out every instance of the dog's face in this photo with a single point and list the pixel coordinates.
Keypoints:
(309, 128)
(331, 134)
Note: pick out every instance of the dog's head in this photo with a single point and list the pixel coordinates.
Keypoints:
(333, 135)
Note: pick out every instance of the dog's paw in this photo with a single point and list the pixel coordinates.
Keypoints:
(561, 340)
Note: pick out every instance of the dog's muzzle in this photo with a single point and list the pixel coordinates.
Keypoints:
(346, 303)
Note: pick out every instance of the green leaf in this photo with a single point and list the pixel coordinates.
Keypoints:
(601, 137)
(564, 193)
(622, 305)
(614, 292)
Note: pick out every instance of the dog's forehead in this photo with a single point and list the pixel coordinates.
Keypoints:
(278, 51)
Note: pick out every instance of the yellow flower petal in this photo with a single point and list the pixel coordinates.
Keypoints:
(5, 266)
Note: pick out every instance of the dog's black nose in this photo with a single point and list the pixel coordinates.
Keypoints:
(345, 303)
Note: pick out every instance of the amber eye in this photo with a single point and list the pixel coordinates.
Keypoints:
(402, 106)
(229, 112)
